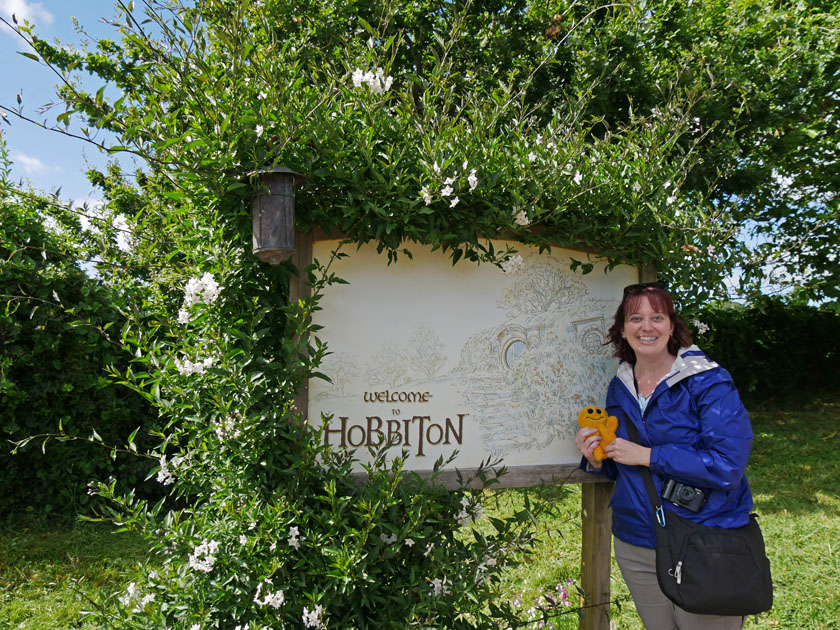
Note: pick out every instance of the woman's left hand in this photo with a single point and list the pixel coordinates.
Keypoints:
(628, 453)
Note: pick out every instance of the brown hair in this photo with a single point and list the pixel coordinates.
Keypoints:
(659, 301)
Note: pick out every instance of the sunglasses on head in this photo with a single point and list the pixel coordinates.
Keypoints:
(635, 288)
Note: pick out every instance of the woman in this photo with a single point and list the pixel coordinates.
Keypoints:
(693, 430)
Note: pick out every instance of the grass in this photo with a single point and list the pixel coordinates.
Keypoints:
(39, 566)
(794, 472)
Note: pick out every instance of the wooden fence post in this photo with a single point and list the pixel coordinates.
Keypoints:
(596, 550)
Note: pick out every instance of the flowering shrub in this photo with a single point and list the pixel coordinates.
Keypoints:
(264, 525)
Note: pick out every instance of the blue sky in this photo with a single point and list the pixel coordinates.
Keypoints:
(47, 159)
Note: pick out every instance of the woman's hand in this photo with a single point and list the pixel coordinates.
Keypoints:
(626, 452)
(586, 440)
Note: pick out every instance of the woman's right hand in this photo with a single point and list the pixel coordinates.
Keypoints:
(586, 440)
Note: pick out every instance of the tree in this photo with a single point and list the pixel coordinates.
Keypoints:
(769, 74)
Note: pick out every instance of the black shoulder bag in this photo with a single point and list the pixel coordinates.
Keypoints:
(708, 570)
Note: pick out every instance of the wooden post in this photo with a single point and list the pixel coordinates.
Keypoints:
(298, 288)
(596, 550)
(647, 273)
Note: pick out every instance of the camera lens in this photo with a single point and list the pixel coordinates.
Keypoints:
(685, 494)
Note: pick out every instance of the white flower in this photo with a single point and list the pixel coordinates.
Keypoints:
(204, 556)
(183, 316)
(275, 599)
(465, 165)
(243, 539)
(439, 586)
(454, 202)
(195, 626)
(667, 185)
(262, 95)
(294, 538)
(427, 196)
(710, 250)
(700, 326)
(436, 168)
(147, 599)
(165, 475)
(472, 179)
(187, 367)
(695, 127)
(513, 265)
(532, 156)
(428, 549)
(522, 218)
(229, 427)
(388, 539)
(132, 594)
(204, 289)
(447, 190)
(375, 80)
(260, 130)
(312, 618)
(448, 181)
(670, 200)
(578, 178)
(637, 186)
(409, 542)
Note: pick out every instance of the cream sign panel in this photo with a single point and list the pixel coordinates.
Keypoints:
(432, 358)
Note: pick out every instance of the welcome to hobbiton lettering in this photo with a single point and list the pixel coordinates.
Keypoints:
(415, 432)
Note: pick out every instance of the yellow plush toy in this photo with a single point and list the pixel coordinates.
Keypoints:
(604, 424)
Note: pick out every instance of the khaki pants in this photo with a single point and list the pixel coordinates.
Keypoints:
(638, 568)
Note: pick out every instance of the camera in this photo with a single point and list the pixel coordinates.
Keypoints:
(681, 494)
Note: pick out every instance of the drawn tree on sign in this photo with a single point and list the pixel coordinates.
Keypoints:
(539, 288)
(387, 366)
(427, 351)
(342, 368)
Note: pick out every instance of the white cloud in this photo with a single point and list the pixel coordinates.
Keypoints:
(32, 165)
(25, 10)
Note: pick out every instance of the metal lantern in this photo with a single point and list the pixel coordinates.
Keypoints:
(273, 214)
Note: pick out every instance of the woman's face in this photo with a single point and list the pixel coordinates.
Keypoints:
(647, 330)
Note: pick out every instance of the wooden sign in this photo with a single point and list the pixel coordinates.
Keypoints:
(430, 358)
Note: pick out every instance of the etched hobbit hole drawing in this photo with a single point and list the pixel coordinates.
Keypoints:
(431, 358)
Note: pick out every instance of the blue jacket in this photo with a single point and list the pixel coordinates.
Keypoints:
(699, 434)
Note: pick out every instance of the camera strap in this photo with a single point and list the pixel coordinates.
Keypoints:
(655, 501)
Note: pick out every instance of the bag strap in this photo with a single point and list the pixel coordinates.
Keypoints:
(655, 501)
